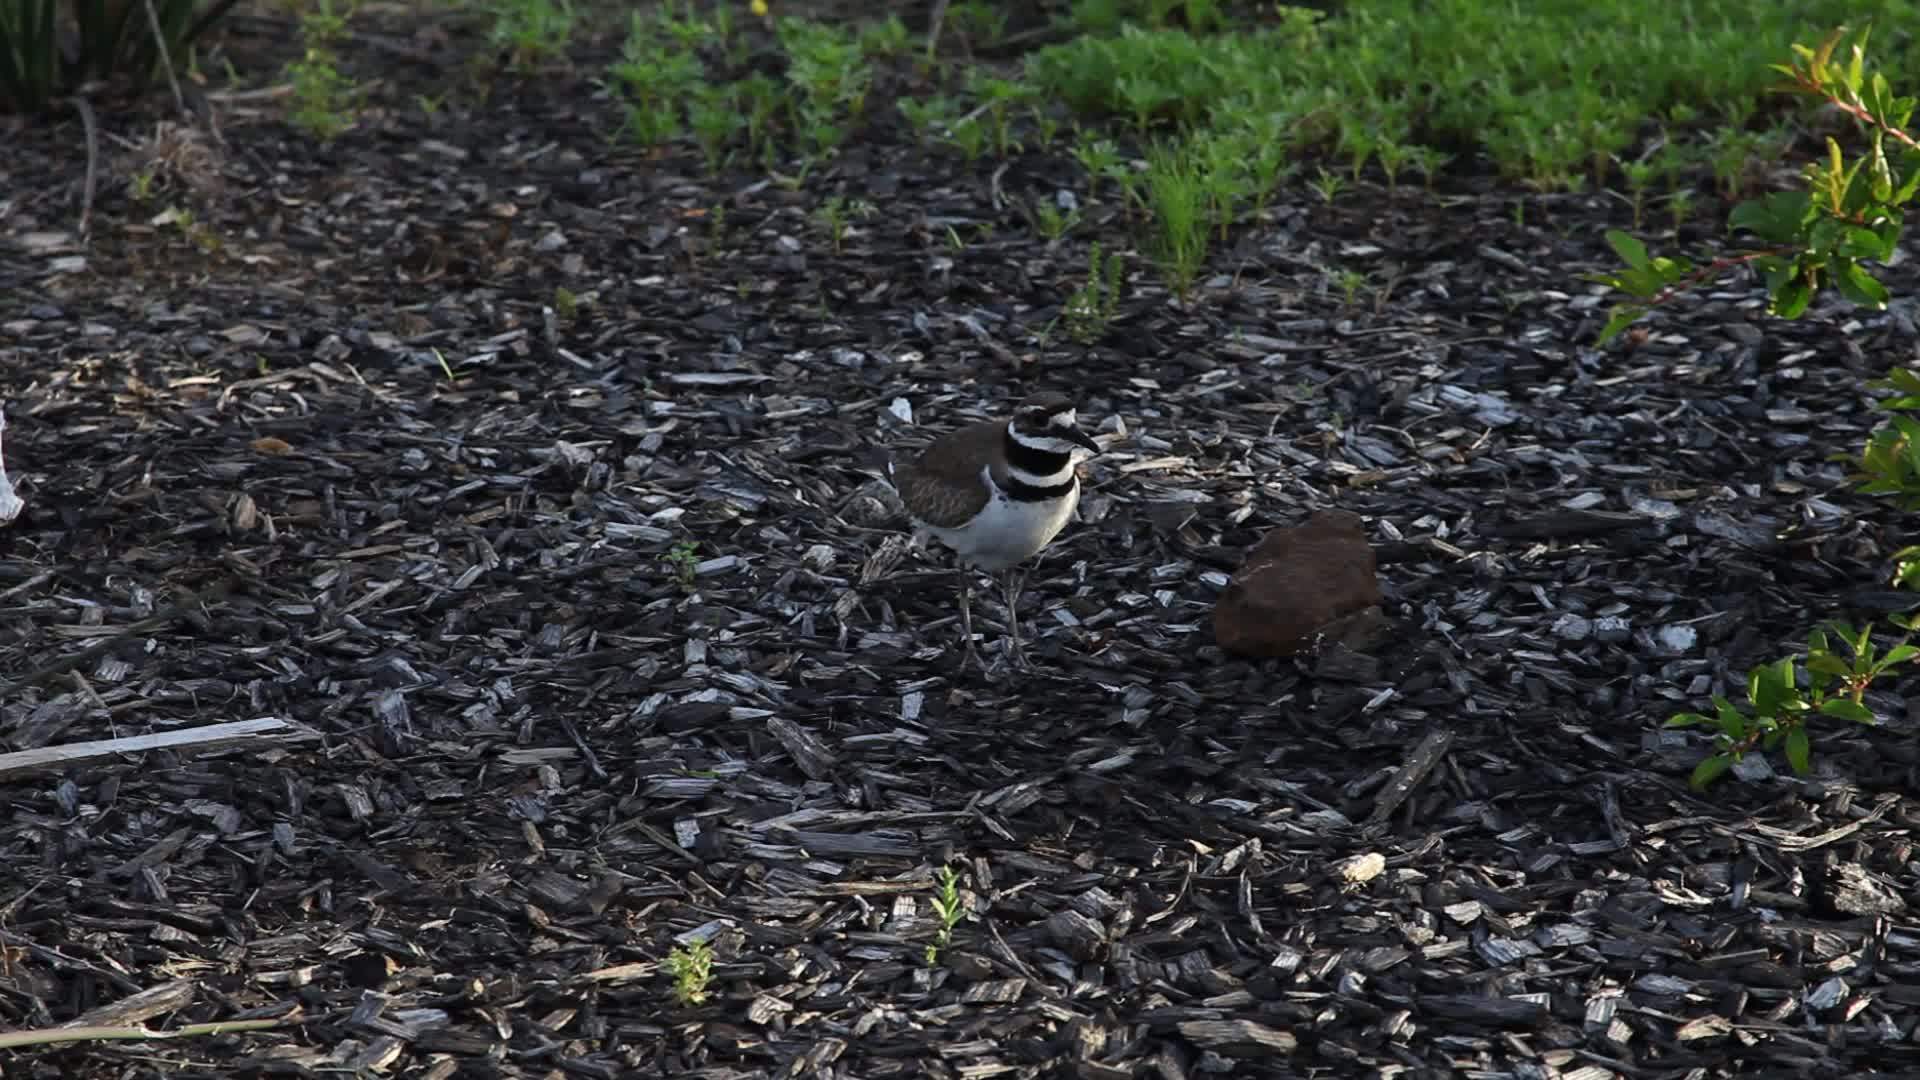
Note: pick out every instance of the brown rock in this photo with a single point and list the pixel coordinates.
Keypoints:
(1295, 582)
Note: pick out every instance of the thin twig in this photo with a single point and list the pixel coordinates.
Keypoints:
(92, 126)
(933, 26)
(15, 1039)
(160, 42)
(1713, 270)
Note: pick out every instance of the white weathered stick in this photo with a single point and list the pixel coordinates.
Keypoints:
(207, 737)
(10, 504)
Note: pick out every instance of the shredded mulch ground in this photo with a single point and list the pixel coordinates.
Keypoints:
(537, 749)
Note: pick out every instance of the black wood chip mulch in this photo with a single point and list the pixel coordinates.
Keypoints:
(538, 751)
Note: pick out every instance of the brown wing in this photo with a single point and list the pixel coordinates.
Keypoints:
(942, 486)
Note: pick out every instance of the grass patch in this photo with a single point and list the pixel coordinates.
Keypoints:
(704, 74)
(1191, 113)
(1552, 93)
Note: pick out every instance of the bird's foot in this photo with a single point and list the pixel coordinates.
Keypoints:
(1016, 656)
(970, 658)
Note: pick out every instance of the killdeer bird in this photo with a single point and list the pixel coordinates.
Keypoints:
(997, 492)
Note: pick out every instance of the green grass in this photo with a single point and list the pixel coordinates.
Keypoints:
(1550, 91)
(1652, 99)
(687, 72)
(531, 30)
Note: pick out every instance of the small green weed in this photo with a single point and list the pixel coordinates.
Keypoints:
(1096, 155)
(981, 22)
(655, 77)
(532, 31)
(950, 908)
(1177, 194)
(835, 214)
(323, 98)
(197, 233)
(1090, 309)
(1890, 462)
(1778, 710)
(927, 115)
(969, 136)
(831, 75)
(1350, 281)
(716, 120)
(999, 97)
(1327, 185)
(1639, 176)
(1052, 221)
(691, 967)
(885, 39)
(1679, 208)
(683, 557)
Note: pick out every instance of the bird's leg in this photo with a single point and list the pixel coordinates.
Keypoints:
(966, 618)
(1016, 655)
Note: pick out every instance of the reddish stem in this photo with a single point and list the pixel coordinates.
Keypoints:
(1808, 84)
(1711, 270)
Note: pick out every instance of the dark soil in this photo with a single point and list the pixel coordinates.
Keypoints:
(532, 759)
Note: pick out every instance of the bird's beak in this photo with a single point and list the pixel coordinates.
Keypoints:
(1083, 439)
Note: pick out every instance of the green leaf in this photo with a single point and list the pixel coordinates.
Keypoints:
(1786, 673)
(1685, 719)
(1799, 751)
(1709, 770)
(1790, 300)
(1860, 243)
(1630, 249)
(1824, 55)
(1828, 664)
(1732, 721)
(1904, 379)
(1879, 95)
(1621, 317)
(1848, 709)
(1861, 640)
(1777, 218)
(1904, 193)
(1899, 654)
(1765, 688)
(1859, 286)
(1826, 235)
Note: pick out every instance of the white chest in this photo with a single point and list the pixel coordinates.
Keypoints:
(1007, 531)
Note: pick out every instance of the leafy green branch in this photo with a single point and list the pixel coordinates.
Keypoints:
(1848, 215)
(1890, 462)
(1778, 709)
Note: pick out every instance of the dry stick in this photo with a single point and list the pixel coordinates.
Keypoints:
(11, 1039)
(93, 165)
(160, 42)
(207, 738)
(934, 23)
